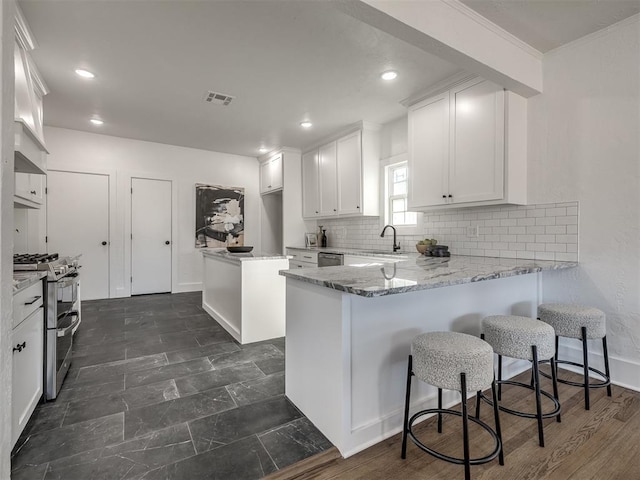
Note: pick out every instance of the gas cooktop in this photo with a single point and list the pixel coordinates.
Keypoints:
(34, 258)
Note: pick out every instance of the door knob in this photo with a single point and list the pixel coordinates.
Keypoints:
(167, 242)
(104, 243)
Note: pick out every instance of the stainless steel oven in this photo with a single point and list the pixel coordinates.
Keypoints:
(330, 259)
(63, 315)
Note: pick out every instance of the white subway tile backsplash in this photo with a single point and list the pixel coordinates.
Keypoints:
(544, 232)
(546, 221)
(555, 229)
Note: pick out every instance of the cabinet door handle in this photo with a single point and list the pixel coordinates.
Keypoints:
(104, 243)
(450, 196)
(35, 299)
(33, 192)
(19, 347)
(167, 242)
(444, 196)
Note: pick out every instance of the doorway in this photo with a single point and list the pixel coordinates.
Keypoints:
(150, 236)
(78, 223)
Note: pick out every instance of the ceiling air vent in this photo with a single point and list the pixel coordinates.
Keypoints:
(218, 98)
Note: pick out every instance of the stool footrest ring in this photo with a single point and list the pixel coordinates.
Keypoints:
(604, 383)
(554, 413)
(441, 456)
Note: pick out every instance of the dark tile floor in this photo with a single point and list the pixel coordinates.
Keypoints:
(158, 390)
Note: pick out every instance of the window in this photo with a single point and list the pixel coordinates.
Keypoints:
(396, 193)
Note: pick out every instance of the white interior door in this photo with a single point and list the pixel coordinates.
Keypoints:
(78, 223)
(150, 236)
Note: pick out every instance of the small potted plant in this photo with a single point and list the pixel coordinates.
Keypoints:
(424, 246)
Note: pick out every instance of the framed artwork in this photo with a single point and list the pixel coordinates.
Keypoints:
(219, 216)
(311, 239)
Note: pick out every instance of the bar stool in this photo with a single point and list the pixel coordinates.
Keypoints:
(452, 361)
(583, 323)
(525, 339)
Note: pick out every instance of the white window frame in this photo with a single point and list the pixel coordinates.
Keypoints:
(384, 198)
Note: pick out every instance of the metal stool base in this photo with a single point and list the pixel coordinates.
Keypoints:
(554, 413)
(456, 460)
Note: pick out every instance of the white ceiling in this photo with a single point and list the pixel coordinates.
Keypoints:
(548, 24)
(284, 61)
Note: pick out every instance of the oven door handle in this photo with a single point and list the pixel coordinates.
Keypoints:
(62, 332)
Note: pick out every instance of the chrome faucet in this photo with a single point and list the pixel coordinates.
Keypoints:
(396, 246)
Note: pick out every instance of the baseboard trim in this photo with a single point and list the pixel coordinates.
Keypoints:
(188, 287)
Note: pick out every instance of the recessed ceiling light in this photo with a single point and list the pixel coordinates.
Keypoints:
(84, 73)
(389, 75)
(96, 121)
(262, 150)
(306, 124)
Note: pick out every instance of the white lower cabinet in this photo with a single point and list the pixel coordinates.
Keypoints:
(302, 258)
(29, 190)
(28, 357)
(467, 146)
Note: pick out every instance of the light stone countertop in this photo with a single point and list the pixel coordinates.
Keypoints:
(363, 253)
(418, 272)
(223, 254)
(22, 280)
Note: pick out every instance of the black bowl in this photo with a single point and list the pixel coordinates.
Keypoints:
(238, 249)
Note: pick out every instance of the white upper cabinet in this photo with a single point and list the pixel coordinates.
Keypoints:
(327, 168)
(349, 162)
(271, 174)
(347, 172)
(467, 146)
(30, 150)
(310, 185)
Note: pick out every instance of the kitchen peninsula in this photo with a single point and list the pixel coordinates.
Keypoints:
(244, 293)
(349, 331)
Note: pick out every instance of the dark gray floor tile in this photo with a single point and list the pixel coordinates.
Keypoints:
(121, 401)
(108, 356)
(47, 417)
(243, 460)
(29, 472)
(164, 346)
(126, 460)
(212, 336)
(143, 420)
(100, 339)
(95, 407)
(217, 378)
(166, 372)
(79, 390)
(138, 322)
(80, 437)
(200, 352)
(271, 365)
(227, 427)
(248, 354)
(294, 442)
(82, 350)
(110, 369)
(149, 335)
(150, 394)
(195, 322)
(257, 390)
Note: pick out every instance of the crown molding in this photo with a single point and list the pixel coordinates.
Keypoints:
(23, 32)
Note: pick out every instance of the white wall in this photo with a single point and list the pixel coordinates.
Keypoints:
(583, 145)
(123, 158)
(6, 228)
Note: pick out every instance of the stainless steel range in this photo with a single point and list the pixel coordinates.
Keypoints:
(62, 316)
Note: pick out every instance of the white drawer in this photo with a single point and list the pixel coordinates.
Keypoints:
(303, 255)
(297, 264)
(26, 302)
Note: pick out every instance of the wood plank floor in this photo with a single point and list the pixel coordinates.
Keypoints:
(602, 443)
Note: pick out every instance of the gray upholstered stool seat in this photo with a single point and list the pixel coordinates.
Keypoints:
(526, 339)
(512, 336)
(452, 361)
(583, 323)
(440, 357)
(567, 320)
